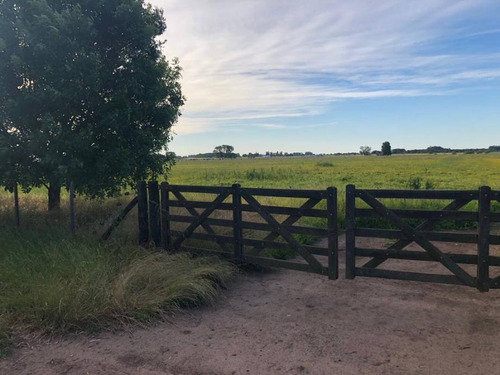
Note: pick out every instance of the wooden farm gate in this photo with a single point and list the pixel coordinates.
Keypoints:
(243, 224)
(218, 220)
(424, 235)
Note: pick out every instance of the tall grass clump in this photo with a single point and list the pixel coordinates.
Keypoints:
(53, 283)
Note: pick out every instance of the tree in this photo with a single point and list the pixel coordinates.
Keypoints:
(386, 149)
(86, 95)
(365, 150)
(224, 151)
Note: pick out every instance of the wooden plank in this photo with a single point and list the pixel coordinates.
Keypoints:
(421, 194)
(142, 213)
(165, 216)
(253, 242)
(483, 245)
(494, 240)
(207, 237)
(197, 189)
(119, 219)
(212, 222)
(420, 256)
(350, 231)
(247, 208)
(278, 263)
(495, 217)
(333, 238)
(313, 262)
(418, 238)
(432, 236)
(410, 276)
(283, 245)
(292, 219)
(319, 232)
(200, 251)
(199, 204)
(154, 212)
(237, 219)
(191, 228)
(292, 193)
(206, 226)
(423, 214)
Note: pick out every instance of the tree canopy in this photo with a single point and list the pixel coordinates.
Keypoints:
(386, 149)
(224, 151)
(365, 150)
(86, 95)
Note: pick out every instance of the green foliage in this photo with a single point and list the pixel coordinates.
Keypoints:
(365, 150)
(58, 284)
(85, 94)
(386, 149)
(224, 152)
(324, 164)
(417, 183)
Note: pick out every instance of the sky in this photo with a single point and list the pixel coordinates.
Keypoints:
(331, 76)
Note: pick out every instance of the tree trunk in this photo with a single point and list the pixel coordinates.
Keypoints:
(54, 197)
(16, 205)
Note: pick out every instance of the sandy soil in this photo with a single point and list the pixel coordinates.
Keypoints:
(288, 322)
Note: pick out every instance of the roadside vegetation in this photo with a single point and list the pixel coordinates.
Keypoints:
(55, 283)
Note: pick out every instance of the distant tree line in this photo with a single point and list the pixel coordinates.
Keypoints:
(364, 150)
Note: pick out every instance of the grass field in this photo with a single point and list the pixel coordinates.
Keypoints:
(439, 171)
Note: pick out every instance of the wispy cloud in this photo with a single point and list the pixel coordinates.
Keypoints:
(248, 60)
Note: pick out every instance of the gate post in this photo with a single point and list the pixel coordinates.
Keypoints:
(154, 212)
(333, 240)
(237, 218)
(350, 236)
(142, 213)
(165, 216)
(483, 244)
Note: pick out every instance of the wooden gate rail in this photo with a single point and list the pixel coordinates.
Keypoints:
(422, 235)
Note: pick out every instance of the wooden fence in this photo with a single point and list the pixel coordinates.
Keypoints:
(278, 224)
(235, 223)
(424, 235)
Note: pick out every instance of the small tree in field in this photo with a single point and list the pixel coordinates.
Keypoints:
(86, 96)
(386, 149)
(365, 150)
(224, 151)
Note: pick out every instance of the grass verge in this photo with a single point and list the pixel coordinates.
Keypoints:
(55, 284)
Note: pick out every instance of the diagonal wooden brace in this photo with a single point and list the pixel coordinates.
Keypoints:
(278, 228)
(195, 213)
(290, 220)
(426, 225)
(201, 218)
(410, 232)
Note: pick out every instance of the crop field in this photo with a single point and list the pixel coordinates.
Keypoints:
(438, 171)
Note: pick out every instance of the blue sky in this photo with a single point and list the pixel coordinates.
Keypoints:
(331, 76)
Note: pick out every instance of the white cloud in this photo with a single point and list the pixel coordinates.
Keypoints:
(245, 60)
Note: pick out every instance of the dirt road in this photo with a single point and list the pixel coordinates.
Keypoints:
(288, 322)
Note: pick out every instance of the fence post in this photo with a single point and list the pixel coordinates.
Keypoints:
(237, 218)
(333, 239)
(483, 244)
(154, 212)
(350, 237)
(142, 213)
(165, 216)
